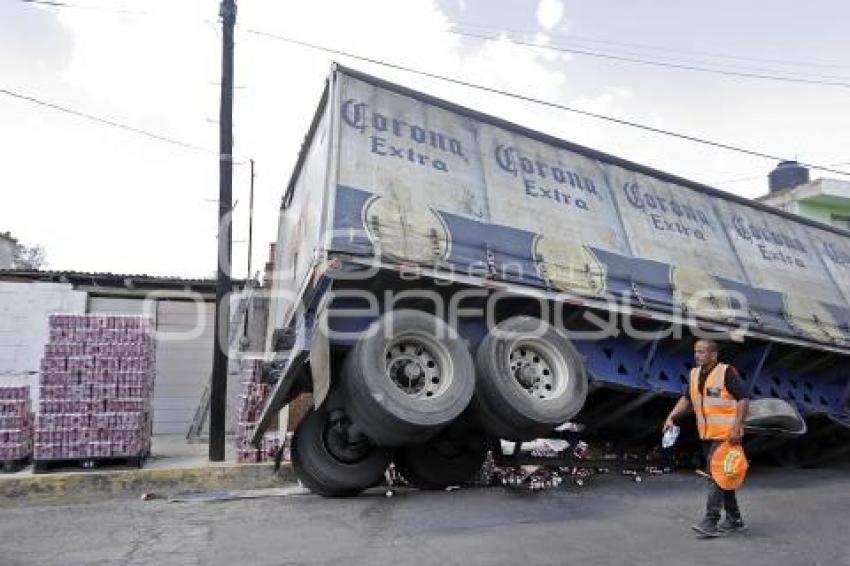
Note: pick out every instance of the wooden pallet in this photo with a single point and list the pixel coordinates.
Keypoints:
(12, 466)
(44, 466)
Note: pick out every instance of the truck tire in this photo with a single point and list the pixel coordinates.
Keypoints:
(328, 464)
(408, 377)
(530, 379)
(442, 462)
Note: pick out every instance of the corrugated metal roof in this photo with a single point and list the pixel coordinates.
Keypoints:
(69, 273)
(102, 278)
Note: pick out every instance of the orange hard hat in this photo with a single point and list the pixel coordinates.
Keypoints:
(729, 465)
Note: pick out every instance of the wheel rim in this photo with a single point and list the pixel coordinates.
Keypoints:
(418, 365)
(335, 439)
(538, 369)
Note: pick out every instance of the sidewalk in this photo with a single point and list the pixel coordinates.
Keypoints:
(174, 466)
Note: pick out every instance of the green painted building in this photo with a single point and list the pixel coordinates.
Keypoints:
(824, 200)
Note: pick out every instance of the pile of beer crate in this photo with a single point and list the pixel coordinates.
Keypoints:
(16, 421)
(254, 395)
(96, 387)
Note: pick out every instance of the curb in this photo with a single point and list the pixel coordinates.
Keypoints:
(89, 486)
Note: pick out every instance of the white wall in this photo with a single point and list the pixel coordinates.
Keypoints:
(24, 308)
(182, 367)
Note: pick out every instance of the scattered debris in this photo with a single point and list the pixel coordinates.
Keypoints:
(392, 478)
(569, 427)
(555, 463)
(580, 451)
(551, 463)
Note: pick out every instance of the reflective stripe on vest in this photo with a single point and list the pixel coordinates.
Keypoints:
(720, 420)
(715, 414)
(713, 402)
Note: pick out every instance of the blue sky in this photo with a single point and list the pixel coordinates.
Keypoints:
(105, 200)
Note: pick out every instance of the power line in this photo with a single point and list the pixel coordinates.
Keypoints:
(784, 62)
(58, 4)
(763, 176)
(644, 127)
(740, 180)
(755, 72)
(565, 42)
(105, 121)
(541, 102)
(656, 63)
(572, 38)
(646, 47)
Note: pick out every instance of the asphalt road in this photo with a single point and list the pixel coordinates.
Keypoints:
(795, 517)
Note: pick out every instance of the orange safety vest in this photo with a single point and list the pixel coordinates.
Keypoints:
(716, 410)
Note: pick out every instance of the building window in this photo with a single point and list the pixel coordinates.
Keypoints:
(841, 221)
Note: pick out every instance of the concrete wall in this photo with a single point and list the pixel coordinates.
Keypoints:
(184, 347)
(23, 326)
(183, 364)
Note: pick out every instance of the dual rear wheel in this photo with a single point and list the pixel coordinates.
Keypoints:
(405, 385)
(531, 379)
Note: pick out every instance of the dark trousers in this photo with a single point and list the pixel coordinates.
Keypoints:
(719, 499)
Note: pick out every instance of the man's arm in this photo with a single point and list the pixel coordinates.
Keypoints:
(682, 408)
(736, 387)
(740, 415)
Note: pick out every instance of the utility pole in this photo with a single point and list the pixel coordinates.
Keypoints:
(251, 221)
(248, 279)
(224, 284)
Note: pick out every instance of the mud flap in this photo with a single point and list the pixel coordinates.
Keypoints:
(320, 358)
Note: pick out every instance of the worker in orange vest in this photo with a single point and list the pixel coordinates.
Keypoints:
(718, 398)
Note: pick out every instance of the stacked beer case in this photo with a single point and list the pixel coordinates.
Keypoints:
(96, 387)
(254, 395)
(15, 427)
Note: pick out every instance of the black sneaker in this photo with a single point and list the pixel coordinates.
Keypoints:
(732, 525)
(707, 528)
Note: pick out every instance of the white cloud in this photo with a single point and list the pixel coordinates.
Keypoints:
(121, 202)
(606, 102)
(550, 13)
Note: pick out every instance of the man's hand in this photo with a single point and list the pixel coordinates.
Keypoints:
(683, 406)
(736, 435)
